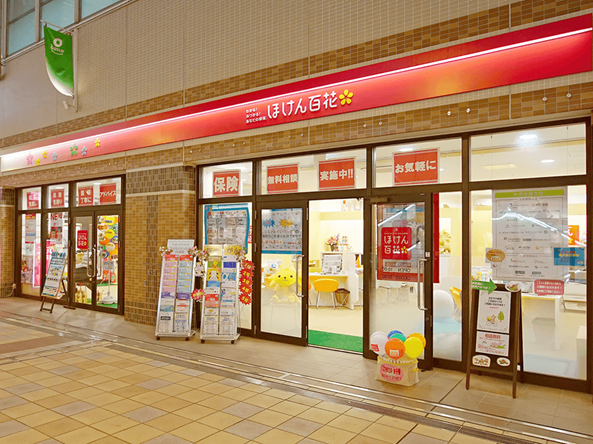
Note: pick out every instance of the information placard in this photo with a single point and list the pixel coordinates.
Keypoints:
(227, 225)
(282, 231)
(54, 275)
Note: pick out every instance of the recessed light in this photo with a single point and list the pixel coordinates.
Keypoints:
(406, 150)
(442, 169)
(97, 183)
(528, 136)
(502, 166)
(547, 161)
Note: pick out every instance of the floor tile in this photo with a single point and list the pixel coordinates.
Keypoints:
(317, 415)
(42, 417)
(38, 395)
(194, 431)
(349, 423)
(92, 416)
(279, 394)
(242, 410)
(332, 435)
(363, 414)
(123, 406)
(144, 414)
(194, 412)
(305, 400)
(238, 394)
(396, 423)
(153, 384)
(194, 395)
(11, 401)
(104, 399)
(383, 432)
(276, 436)
(171, 404)
(167, 439)
(168, 422)
(248, 429)
(361, 439)
(22, 410)
(149, 398)
(433, 432)
(138, 434)
(218, 402)
(263, 401)
(83, 435)
(24, 388)
(59, 427)
(108, 440)
(332, 407)
(10, 427)
(173, 389)
(215, 388)
(30, 436)
(290, 408)
(73, 408)
(269, 418)
(220, 420)
(300, 426)
(414, 438)
(223, 438)
(115, 424)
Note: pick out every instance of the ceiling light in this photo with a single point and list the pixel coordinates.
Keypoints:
(97, 183)
(501, 166)
(528, 136)
(442, 169)
(547, 161)
(406, 150)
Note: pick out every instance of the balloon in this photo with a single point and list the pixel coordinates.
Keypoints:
(395, 348)
(442, 304)
(392, 333)
(419, 336)
(378, 340)
(398, 335)
(110, 247)
(109, 233)
(414, 347)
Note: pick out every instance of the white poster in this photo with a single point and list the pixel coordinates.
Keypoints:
(526, 227)
(226, 225)
(494, 311)
(282, 231)
(492, 343)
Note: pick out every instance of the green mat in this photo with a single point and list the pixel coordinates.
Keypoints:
(334, 340)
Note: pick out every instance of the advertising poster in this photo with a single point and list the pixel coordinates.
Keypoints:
(283, 178)
(492, 343)
(57, 198)
(33, 200)
(529, 226)
(56, 222)
(226, 225)
(337, 174)
(416, 167)
(107, 193)
(226, 183)
(85, 196)
(282, 231)
(494, 311)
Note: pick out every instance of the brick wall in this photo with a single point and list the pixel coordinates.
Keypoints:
(7, 232)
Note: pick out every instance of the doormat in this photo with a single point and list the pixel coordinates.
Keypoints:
(334, 340)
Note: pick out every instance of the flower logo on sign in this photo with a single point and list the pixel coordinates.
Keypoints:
(346, 97)
(73, 150)
(54, 157)
(45, 154)
(30, 159)
(97, 143)
(83, 151)
(37, 162)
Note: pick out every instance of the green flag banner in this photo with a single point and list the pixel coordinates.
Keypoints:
(58, 60)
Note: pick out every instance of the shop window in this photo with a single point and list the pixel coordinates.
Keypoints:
(21, 24)
(539, 238)
(31, 199)
(98, 192)
(57, 196)
(341, 170)
(541, 152)
(57, 12)
(420, 163)
(31, 254)
(89, 7)
(230, 180)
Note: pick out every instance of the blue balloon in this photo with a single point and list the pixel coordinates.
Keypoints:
(392, 333)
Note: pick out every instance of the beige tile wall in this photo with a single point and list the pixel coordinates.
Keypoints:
(7, 232)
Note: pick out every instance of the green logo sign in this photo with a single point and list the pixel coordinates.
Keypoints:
(481, 285)
(58, 60)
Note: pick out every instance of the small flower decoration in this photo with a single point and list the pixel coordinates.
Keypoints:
(165, 251)
(37, 162)
(54, 157)
(346, 98)
(197, 294)
(241, 255)
(45, 154)
(97, 143)
(83, 151)
(73, 150)
(30, 159)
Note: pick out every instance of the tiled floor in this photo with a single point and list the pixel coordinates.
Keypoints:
(113, 389)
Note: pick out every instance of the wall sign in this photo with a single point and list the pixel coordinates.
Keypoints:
(226, 183)
(338, 174)
(283, 178)
(82, 239)
(107, 193)
(33, 200)
(85, 196)
(416, 167)
(57, 198)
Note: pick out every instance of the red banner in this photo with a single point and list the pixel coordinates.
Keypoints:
(416, 168)
(82, 239)
(85, 196)
(33, 200)
(226, 183)
(337, 174)
(548, 287)
(107, 193)
(283, 178)
(57, 198)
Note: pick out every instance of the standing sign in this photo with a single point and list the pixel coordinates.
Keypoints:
(283, 178)
(282, 231)
(85, 196)
(107, 193)
(416, 167)
(227, 225)
(338, 174)
(57, 198)
(54, 275)
(33, 200)
(496, 334)
(226, 183)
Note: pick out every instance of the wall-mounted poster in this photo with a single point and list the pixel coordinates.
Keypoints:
(226, 225)
(282, 231)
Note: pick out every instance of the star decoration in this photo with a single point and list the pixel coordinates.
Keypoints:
(30, 159)
(55, 156)
(45, 154)
(38, 161)
(83, 151)
(97, 143)
(74, 150)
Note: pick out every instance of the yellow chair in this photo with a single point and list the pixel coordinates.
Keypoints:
(326, 285)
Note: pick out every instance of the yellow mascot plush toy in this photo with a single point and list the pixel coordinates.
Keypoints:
(281, 282)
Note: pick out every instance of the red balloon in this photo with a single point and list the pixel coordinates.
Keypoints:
(395, 348)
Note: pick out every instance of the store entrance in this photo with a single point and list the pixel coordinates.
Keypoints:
(401, 292)
(95, 271)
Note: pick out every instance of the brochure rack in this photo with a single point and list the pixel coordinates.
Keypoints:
(220, 315)
(175, 308)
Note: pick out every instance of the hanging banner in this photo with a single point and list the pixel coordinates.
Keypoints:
(107, 193)
(226, 183)
(283, 178)
(227, 225)
(337, 174)
(33, 200)
(282, 231)
(416, 167)
(58, 61)
(85, 196)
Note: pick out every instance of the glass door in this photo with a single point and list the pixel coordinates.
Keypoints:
(401, 283)
(282, 305)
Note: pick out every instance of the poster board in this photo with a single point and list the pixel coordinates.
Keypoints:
(55, 273)
(496, 333)
(227, 225)
(282, 231)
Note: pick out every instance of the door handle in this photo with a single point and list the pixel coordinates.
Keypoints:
(421, 281)
(299, 291)
(89, 263)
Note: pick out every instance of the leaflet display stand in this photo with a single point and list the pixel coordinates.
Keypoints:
(220, 315)
(53, 280)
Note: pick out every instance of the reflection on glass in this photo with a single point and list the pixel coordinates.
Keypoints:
(84, 266)
(57, 239)
(31, 254)
(107, 261)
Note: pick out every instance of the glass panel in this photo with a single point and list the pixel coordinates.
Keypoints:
(398, 238)
(540, 234)
(233, 179)
(543, 152)
(91, 6)
(57, 12)
(21, 24)
(447, 277)
(84, 265)
(98, 192)
(31, 254)
(282, 271)
(107, 261)
(57, 239)
(31, 198)
(437, 161)
(338, 170)
(215, 226)
(336, 236)
(57, 196)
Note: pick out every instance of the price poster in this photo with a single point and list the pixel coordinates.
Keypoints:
(227, 225)
(282, 231)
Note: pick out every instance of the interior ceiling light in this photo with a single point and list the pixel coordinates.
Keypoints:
(547, 161)
(500, 166)
(528, 136)
(406, 150)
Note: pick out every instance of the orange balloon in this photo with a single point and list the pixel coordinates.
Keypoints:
(419, 336)
(395, 348)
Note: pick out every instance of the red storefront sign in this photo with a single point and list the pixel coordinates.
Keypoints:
(416, 168)
(283, 178)
(337, 174)
(396, 243)
(548, 287)
(82, 239)
(33, 200)
(107, 193)
(85, 196)
(551, 50)
(226, 183)
(57, 198)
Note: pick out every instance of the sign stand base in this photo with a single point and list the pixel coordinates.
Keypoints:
(53, 302)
